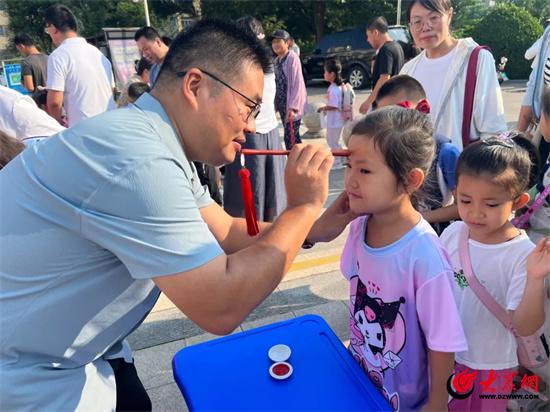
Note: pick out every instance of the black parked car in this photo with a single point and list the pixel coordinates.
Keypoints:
(354, 52)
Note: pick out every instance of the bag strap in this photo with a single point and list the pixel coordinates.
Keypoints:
(521, 221)
(469, 91)
(490, 303)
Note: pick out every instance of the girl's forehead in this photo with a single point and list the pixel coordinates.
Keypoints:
(481, 185)
(363, 148)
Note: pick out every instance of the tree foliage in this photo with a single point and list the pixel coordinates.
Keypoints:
(298, 17)
(509, 30)
(467, 13)
(92, 15)
(540, 9)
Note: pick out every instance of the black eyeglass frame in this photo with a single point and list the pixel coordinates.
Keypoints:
(254, 112)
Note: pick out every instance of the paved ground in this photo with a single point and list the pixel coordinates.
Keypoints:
(313, 285)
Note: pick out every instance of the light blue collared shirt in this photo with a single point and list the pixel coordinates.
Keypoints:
(87, 218)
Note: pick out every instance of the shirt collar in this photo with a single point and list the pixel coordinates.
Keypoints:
(74, 40)
(154, 111)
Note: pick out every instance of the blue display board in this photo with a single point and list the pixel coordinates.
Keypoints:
(12, 74)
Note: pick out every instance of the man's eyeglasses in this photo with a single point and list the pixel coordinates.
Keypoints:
(254, 111)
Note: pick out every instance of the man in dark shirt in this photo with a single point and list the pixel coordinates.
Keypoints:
(388, 61)
(34, 66)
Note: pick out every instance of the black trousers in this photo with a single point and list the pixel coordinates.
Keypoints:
(130, 393)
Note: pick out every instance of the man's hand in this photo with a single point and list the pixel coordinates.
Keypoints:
(333, 221)
(306, 175)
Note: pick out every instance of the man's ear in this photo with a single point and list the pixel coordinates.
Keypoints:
(521, 201)
(416, 178)
(190, 86)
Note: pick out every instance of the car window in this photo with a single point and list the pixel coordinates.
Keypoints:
(399, 34)
(339, 41)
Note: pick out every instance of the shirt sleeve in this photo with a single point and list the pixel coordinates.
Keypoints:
(149, 218)
(438, 315)
(56, 73)
(488, 112)
(26, 68)
(296, 92)
(532, 51)
(348, 260)
(384, 62)
(448, 158)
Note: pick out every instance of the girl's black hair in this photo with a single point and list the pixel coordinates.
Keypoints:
(511, 162)
(334, 66)
(405, 139)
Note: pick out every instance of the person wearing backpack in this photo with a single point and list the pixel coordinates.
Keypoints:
(498, 272)
(339, 107)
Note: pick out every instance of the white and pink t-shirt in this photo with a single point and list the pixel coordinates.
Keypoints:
(401, 305)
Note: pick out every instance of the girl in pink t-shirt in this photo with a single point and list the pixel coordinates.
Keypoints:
(404, 322)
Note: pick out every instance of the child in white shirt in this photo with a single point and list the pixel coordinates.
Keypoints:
(336, 118)
(492, 179)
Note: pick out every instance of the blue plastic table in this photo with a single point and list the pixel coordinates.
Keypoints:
(232, 373)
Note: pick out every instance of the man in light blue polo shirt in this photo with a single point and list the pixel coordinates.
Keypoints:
(101, 217)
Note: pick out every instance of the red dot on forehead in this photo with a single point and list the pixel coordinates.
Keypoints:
(281, 369)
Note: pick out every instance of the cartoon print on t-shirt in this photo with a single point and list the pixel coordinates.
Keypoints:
(377, 333)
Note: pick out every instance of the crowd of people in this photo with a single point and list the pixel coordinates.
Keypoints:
(103, 209)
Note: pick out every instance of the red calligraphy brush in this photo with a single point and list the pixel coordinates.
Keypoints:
(343, 153)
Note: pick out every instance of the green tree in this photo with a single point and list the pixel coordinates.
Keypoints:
(467, 13)
(540, 9)
(92, 15)
(509, 30)
(305, 20)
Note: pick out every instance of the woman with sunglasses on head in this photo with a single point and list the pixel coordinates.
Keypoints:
(441, 69)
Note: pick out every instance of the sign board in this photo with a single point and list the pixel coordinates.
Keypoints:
(12, 76)
(124, 52)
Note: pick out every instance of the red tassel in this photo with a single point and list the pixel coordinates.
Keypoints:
(248, 201)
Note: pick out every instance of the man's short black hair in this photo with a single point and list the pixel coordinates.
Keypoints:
(148, 32)
(216, 46)
(61, 17)
(378, 23)
(402, 83)
(23, 39)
